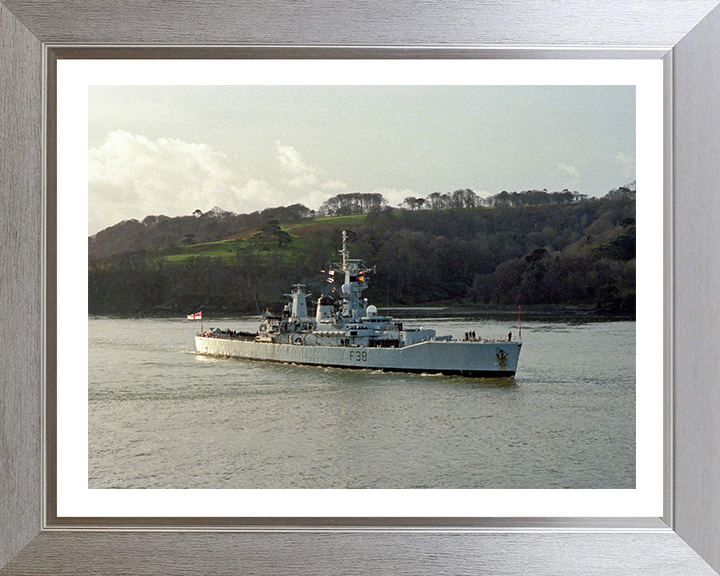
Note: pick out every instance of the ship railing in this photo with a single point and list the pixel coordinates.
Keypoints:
(230, 335)
(384, 343)
(484, 340)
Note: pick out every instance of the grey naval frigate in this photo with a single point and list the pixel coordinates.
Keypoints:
(346, 332)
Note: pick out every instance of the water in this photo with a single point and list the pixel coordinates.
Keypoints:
(161, 416)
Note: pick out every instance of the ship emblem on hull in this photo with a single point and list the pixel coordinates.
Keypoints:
(501, 358)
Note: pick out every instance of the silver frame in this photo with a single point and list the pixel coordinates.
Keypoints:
(685, 33)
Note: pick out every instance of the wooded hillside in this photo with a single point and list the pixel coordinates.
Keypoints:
(531, 248)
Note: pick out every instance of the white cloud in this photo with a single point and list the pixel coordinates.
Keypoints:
(302, 175)
(571, 170)
(313, 199)
(302, 181)
(291, 161)
(334, 185)
(395, 196)
(131, 176)
(627, 164)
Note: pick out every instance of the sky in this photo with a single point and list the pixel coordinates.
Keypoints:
(174, 149)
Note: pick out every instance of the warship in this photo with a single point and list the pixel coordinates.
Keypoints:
(346, 332)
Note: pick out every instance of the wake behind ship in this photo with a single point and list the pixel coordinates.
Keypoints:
(348, 333)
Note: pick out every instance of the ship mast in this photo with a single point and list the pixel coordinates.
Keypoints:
(344, 250)
(354, 282)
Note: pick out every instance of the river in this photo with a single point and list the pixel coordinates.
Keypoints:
(161, 416)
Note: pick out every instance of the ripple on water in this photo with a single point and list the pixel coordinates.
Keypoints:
(161, 416)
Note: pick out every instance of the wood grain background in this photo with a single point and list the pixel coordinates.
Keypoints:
(21, 201)
(333, 554)
(368, 23)
(696, 105)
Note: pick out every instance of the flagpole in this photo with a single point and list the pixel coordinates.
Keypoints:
(519, 324)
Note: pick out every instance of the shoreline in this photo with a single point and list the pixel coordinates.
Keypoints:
(434, 309)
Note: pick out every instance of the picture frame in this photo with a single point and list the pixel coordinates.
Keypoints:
(686, 540)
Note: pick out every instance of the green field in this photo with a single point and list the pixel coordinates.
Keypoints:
(302, 233)
(328, 221)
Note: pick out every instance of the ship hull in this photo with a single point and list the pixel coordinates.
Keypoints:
(470, 359)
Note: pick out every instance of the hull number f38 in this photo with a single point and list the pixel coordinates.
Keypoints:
(358, 356)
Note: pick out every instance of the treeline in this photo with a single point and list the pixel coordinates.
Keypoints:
(533, 250)
(143, 284)
(164, 232)
(353, 203)
(579, 252)
(469, 199)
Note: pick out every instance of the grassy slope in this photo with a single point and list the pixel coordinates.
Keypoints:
(301, 232)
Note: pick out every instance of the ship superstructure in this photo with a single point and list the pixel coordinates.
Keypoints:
(346, 332)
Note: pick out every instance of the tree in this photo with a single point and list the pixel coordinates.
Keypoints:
(271, 231)
(412, 203)
(283, 238)
(464, 199)
(626, 192)
(438, 201)
(353, 203)
(287, 213)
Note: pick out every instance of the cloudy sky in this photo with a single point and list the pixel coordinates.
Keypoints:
(174, 149)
